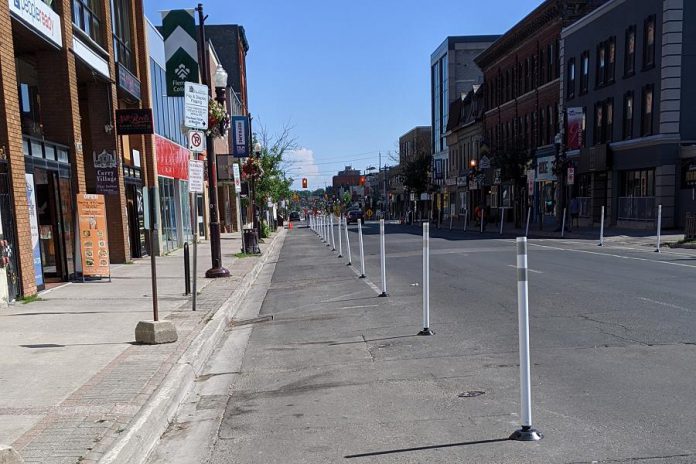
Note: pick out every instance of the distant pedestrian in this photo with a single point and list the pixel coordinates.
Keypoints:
(574, 212)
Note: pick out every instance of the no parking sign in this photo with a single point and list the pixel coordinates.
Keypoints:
(196, 140)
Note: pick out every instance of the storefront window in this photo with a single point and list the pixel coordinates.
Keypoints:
(168, 211)
(87, 17)
(638, 183)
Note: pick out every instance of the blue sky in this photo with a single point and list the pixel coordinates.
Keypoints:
(349, 77)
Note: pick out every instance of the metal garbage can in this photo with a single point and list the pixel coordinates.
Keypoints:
(250, 244)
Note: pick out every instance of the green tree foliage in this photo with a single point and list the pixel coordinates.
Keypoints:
(415, 174)
(274, 182)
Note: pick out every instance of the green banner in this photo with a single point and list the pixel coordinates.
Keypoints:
(180, 50)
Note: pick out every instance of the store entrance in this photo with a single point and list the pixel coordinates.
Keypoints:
(51, 227)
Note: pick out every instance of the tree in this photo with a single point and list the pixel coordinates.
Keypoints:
(513, 163)
(416, 173)
(274, 183)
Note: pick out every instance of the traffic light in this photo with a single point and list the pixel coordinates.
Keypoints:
(362, 180)
(304, 182)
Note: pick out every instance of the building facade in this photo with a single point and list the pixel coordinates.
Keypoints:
(523, 118)
(465, 136)
(62, 79)
(623, 66)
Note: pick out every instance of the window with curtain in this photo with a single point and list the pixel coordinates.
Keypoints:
(649, 42)
(122, 31)
(571, 79)
(584, 72)
(647, 111)
(630, 54)
(628, 116)
(87, 16)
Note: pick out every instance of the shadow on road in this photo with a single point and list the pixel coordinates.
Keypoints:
(424, 448)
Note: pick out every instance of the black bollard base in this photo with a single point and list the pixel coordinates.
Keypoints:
(526, 433)
(362, 276)
(383, 295)
(339, 256)
(426, 332)
(349, 264)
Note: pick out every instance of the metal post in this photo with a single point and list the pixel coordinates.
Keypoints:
(563, 224)
(153, 262)
(383, 258)
(195, 253)
(187, 270)
(526, 433)
(659, 227)
(483, 213)
(340, 240)
(333, 238)
(601, 229)
(350, 259)
(451, 216)
(362, 250)
(502, 219)
(426, 281)
(466, 219)
(529, 216)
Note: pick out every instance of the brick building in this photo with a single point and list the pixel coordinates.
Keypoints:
(522, 119)
(413, 144)
(63, 73)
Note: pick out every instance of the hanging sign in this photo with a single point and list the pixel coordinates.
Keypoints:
(94, 240)
(196, 141)
(136, 121)
(237, 178)
(180, 50)
(196, 106)
(530, 181)
(196, 176)
(575, 123)
(485, 163)
(571, 176)
(106, 169)
(34, 228)
(240, 136)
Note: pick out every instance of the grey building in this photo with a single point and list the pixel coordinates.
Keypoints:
(630, 126)
(452, 72)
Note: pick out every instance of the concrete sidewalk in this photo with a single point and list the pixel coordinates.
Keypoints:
(71, 376)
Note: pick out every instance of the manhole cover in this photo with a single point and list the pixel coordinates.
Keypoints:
(471, 394)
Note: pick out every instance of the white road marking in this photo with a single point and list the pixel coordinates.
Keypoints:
(669, 305)
(360, 306)
(529, 270)
(646, 249)
(614, 256)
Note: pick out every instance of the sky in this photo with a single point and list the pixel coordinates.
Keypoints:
(348, 78)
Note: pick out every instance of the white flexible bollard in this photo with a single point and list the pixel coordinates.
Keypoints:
(383, 258)
(426, 281)
(333, 238)
(659, 227)
(466, 219)
(527, 432)
(502, 219)
(601, 229)
(340, 240)
(563, 224)
(362, 250)
(350, 258)
(529, 216)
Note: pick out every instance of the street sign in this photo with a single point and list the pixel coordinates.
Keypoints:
(196, 176)
(485, 163)
(571, 176)
(196, 106)
(237, 178)
(180, 50)
(196, 141)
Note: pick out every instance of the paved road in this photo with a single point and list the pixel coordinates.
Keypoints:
(338, 375)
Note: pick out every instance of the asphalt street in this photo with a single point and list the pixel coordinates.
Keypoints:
(339, 374)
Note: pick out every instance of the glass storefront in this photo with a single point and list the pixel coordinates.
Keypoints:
(169, 230)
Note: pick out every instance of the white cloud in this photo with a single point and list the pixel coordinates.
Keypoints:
(302, 164)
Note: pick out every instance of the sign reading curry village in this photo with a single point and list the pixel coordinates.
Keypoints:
(106, 169)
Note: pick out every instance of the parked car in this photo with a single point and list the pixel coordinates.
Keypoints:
(294, 216)
(354, 215)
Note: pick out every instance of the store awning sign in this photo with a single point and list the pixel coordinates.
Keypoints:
(172, 159)
(180, 50)
(40, 17)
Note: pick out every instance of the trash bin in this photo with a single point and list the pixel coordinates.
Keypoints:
(249, 243)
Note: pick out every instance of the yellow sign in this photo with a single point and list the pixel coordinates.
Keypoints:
(368, 213)
(94, 240)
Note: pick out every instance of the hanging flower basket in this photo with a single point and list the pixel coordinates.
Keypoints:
(218, 119)
(251, 169)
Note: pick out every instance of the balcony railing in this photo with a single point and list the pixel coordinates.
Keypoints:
(637, 209)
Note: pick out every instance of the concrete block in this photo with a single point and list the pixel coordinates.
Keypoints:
(155, 333)
(8, 455)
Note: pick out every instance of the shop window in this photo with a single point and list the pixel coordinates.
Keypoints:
(571, 79)
(649, 43)
(87, 18)
(30, 109)
(640, 183)
(584, 72)
(628, 116)
(630, 58)
(646, 116)
(123, 37)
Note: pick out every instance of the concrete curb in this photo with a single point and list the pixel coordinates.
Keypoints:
(146, 428)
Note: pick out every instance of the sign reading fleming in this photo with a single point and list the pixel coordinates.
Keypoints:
(180, 50)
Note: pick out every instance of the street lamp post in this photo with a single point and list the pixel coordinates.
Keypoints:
(217, 270)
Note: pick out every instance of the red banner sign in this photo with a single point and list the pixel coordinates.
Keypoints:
(172, 159)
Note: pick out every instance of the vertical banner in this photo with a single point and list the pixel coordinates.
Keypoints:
(575, 126)
(237, 177)
(34, 227)
(180, 50)
(94, 241)
(240, 136)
